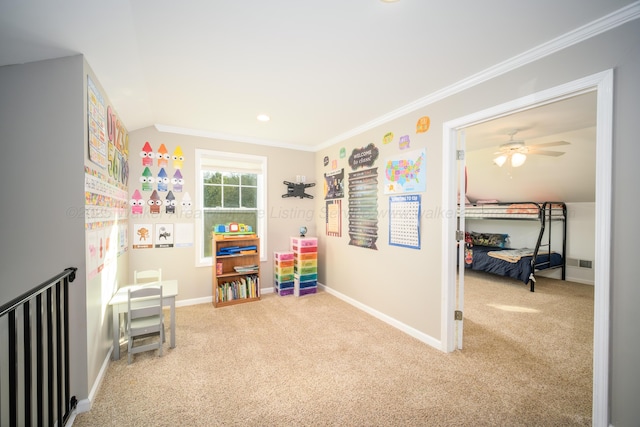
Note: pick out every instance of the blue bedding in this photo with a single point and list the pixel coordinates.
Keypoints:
(521, 270)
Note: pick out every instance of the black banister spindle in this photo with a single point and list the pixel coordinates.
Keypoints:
(36, 349)
(26, 333)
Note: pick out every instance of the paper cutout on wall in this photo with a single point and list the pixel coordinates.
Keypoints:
(147, 180)
(163, 180)
(170, 203)
(178, 158)
(147, 154)
(387, 138)
(186, 203)
(177, 181)
(155, 202)
(423, 124)
(164, 236)
(142, 236)
(136, 202)
(163, 156)
(404, 142)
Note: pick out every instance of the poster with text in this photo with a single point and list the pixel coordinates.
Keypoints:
(142, 237)
(333, 219)
(363, 208)
(164, 236)
(404, 221)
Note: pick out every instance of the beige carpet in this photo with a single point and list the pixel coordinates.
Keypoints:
(315, 360)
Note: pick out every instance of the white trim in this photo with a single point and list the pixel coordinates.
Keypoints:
(603, 83)
(580, 34)
(84, 405)
(427, 339)
(262, 200)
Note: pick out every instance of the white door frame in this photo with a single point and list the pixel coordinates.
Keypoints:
(603, 84)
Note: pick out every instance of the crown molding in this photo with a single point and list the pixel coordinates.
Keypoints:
(580, 34)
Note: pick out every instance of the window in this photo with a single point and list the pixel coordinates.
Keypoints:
(231, 188)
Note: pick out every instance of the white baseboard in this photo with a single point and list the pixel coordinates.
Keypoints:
(427, 339)
(84, 405)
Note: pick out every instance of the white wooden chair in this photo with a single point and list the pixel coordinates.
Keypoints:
(145, 276)
(145, 319)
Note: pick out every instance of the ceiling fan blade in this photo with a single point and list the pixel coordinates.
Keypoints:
(546, 152)
(550, 144)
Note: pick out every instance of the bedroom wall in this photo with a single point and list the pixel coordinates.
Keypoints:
(403, 285)
(284, 215)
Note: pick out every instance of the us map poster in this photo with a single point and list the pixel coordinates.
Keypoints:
(363, 208)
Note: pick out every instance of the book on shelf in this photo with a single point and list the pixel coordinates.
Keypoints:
(245, 287)
(245, 268)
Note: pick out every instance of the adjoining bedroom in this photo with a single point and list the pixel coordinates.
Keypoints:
(529, 220)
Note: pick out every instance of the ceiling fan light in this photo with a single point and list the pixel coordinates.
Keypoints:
(500, 160)
(518, 159)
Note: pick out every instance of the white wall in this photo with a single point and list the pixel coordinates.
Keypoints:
(284, 215)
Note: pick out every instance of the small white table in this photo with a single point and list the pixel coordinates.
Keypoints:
(119, 304)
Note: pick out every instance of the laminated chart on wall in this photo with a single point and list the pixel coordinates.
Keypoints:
(363, 208)
(404, 220)
(333, 219)
(164, 236)
(97, 119)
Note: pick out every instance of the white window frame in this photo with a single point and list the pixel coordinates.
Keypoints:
(232, 162)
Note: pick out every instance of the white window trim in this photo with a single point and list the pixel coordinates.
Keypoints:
(202, 261)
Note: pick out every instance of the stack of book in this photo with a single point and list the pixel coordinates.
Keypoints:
(245, 268)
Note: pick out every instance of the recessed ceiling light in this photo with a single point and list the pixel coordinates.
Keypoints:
(263, 117)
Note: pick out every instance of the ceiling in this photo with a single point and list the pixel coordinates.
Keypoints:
(321, 70)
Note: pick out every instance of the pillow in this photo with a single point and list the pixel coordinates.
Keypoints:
(495, 240)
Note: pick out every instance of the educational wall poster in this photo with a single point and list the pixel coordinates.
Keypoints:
(404, 221)
(184, 235)
(406, 173)
(97, 118)
(142, 237)
(333, 219)
(363, 208)
(334, 185)
(164, 236)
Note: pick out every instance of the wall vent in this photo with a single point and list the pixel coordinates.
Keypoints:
(583, 263)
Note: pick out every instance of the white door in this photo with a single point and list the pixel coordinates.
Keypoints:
(462, 189)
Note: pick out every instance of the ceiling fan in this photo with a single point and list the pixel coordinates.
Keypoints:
(516, 151)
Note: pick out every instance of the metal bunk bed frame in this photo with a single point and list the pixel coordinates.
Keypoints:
(546, 215)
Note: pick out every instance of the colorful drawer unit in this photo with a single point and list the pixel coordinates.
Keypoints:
(305, 265)
(284, 265)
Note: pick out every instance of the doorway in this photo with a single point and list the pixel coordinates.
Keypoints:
(602, 83)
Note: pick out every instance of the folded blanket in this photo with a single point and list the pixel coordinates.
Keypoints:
(511, 255)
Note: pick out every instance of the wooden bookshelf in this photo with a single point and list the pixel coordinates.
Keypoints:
(230, 253)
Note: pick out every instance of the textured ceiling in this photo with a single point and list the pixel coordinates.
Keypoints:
(321, 70)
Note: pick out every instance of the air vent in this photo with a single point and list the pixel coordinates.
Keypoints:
(582, 263)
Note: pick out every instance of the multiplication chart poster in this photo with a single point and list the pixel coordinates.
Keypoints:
(404, 221)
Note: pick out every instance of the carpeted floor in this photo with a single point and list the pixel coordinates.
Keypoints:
(317, 361)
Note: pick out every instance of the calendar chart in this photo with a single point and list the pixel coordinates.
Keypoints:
(404, 221)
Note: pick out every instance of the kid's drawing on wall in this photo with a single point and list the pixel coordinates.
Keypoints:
(170, 203)
(147, 180)
(163, 180)
(177, 181)
(155, 202)
(147, 154)
(163, 156)
(178, 158)
(137, 204)
(186, 203)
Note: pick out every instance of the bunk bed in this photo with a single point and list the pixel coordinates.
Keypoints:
(490, 252)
